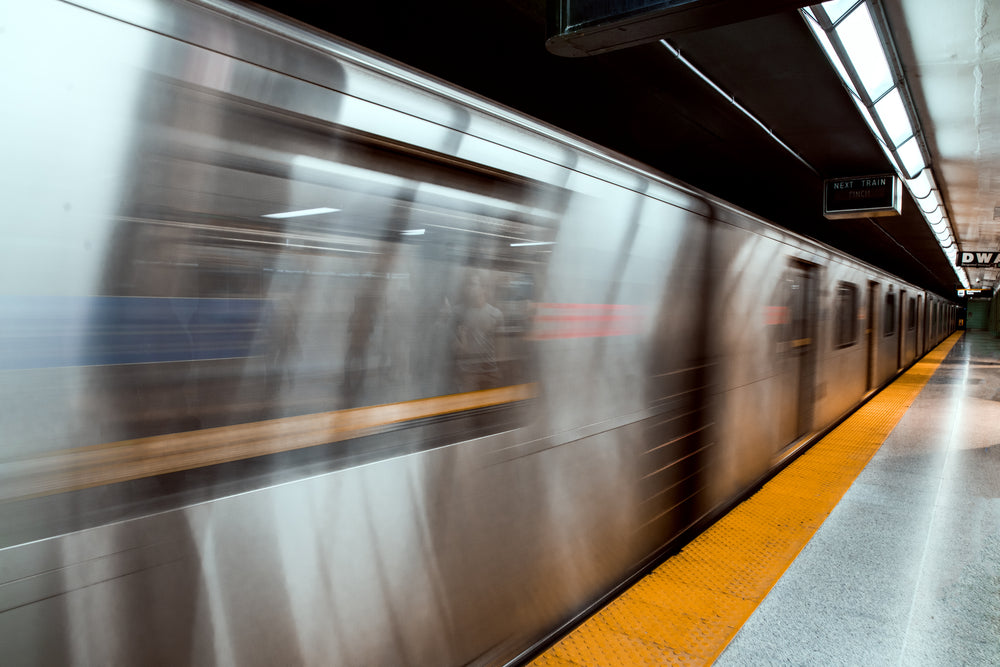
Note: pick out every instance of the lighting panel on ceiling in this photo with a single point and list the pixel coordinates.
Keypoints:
(855, 37)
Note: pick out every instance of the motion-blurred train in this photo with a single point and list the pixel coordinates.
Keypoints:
(309, 358)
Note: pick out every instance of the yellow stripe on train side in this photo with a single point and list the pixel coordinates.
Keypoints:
(109, 463)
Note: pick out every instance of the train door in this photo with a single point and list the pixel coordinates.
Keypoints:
(918, 321)
(795, 388)
(925, 325)
(871, 334)
(901, 331)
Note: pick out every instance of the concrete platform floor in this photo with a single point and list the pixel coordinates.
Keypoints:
(906, 569)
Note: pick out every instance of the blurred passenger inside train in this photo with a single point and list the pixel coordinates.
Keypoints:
(478, 324)
(360, 329)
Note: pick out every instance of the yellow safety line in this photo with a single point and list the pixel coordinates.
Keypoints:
(689, 609)
(111, 462)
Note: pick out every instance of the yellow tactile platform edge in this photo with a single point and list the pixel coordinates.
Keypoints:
(689, 609)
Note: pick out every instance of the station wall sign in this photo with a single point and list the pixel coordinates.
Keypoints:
(979, 258)
(862, 197)
(588, 27)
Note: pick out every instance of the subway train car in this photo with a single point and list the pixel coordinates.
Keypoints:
(309, 358)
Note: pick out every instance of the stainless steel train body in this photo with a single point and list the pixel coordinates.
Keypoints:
(309, 358)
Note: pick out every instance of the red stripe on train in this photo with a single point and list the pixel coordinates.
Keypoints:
(586, 320)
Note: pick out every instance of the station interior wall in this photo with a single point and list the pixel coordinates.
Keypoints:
(994, 314)
(977, 314)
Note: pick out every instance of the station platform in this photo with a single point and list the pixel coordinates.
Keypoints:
(878, 546)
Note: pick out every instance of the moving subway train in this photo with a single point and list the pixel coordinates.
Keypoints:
(307, 358)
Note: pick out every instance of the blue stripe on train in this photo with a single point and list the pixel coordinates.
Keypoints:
(52, 331)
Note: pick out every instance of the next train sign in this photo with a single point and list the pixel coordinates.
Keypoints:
(862, 197)
(979, 258)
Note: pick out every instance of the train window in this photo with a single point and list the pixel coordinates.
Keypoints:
(282, 270)
(911, 320)
(790, 317)
(846, 309)
(889, 315)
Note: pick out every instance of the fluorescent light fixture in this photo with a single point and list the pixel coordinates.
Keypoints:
(413, 232)
(891, 111)
(910, 157)
(530, 243)
(930, 202)
(854, 36)
(836, 9)
(303, 212)
(864, 48)
(922, 185)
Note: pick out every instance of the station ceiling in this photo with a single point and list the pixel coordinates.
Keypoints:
(644, 102)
